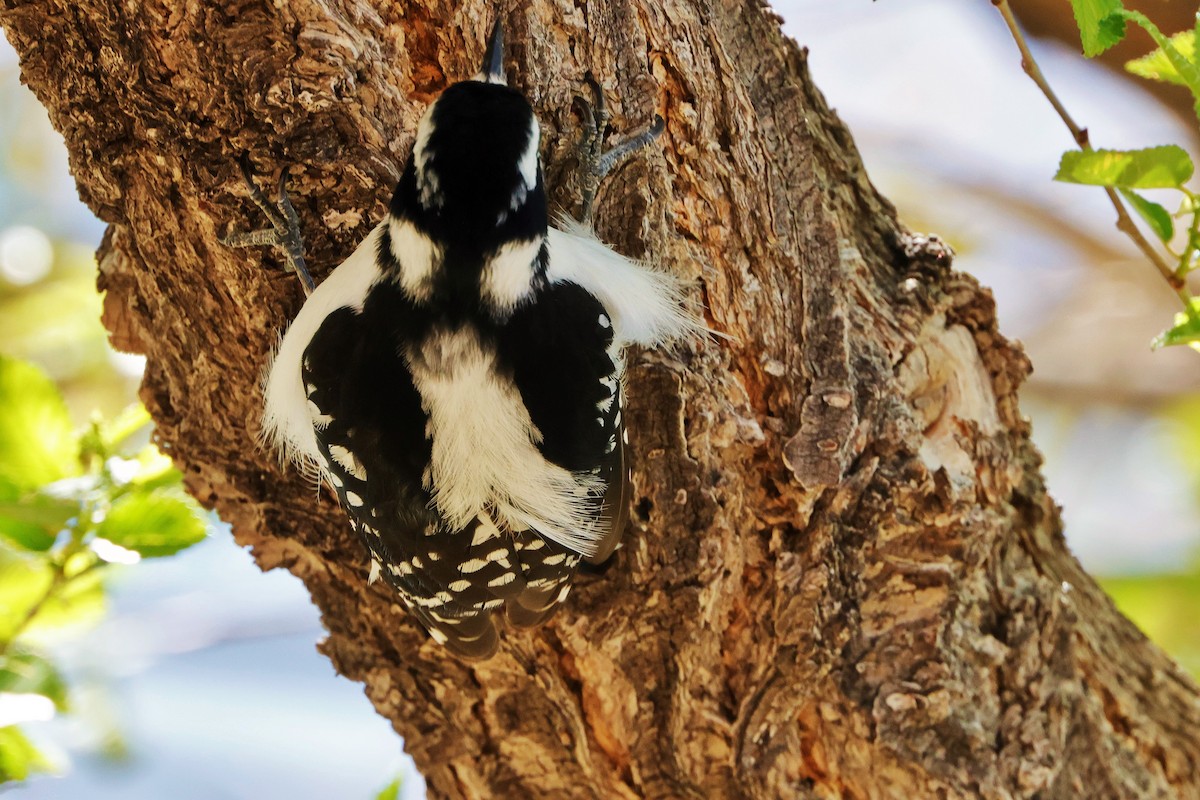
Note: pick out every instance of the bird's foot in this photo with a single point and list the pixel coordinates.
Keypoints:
(594, 161)
(284, 232)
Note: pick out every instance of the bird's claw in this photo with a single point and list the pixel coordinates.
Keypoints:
(594, 161)
(284, 232)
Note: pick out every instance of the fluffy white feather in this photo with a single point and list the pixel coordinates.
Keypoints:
(419, 257)
(645, 306)
(508, 274)
(484, 447)
(288, 422)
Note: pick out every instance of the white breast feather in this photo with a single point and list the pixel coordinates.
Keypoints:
(484, 450)
(288, 423)
(645, 305)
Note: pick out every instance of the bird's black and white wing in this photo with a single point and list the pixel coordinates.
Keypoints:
(341, 399)
(561, 352)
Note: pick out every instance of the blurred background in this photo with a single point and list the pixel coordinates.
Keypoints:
(202, 660)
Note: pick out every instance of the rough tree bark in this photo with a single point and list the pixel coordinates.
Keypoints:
(844, 577)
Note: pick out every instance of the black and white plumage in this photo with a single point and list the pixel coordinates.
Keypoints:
(457, 379)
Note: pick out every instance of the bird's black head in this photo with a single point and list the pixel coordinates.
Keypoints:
(474, 169)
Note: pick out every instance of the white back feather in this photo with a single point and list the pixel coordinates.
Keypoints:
(484, 447)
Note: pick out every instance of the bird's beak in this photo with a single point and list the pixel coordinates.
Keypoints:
(492, 70)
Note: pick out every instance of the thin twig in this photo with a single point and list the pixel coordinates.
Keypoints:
(56, 583)
(1125, 223)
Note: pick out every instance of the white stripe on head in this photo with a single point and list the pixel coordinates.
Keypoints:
(528, 165)
(527, 169)
(428, 189)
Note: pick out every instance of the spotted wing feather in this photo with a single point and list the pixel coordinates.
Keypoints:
(370, 430)
(568, 371)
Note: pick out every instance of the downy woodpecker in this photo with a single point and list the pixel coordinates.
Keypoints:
(457, 379)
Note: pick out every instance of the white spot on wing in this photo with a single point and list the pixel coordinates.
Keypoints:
(348, 461)
(354, 500)
(485, 531)
(375, 571)
(503, 580)
(460, 586)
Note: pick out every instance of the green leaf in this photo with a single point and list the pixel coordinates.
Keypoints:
(1186, 329)
(154, 523)
(24, 582)
(155, 470)
(18, 757)
(23, 672)
(1157, 65)
(37, 442)
(1155, 215)
(1165, 167)
(391, 791)
(132, 419)
(1187, 69)
(1100, 24)
(104, 438)
(32, 521)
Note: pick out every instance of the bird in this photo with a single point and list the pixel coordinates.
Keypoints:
(457, 381)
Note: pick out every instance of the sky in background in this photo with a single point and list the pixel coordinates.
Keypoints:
(206, 670)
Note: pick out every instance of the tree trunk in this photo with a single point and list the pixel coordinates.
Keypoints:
(844, 577)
